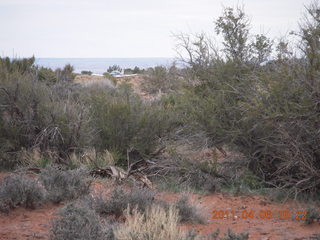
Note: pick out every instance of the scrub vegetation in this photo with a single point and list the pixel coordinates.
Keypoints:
(255, 101)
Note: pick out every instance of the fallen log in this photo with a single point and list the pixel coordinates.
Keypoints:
(121, 175)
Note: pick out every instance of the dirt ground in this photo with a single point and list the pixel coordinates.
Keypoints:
(28, 224)
(134, 80)
(260, 226)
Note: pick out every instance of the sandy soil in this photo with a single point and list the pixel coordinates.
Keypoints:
(88, 80)
(273, 228)
(135, 80)
(28, 224)
(35, 224)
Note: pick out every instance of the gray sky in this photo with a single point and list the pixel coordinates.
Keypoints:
(125, 28)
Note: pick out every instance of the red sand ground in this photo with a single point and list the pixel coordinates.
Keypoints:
(35, 224)
(273, 228)
(27, 224)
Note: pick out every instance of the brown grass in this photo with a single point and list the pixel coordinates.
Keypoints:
(156, 223)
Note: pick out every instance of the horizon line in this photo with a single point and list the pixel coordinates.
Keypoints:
(16, 57)
(106, 57)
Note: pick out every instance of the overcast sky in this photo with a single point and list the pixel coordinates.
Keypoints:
(125, 28)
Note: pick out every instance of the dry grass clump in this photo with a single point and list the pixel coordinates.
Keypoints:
(92, 158)
(156, 223)
(159, 223)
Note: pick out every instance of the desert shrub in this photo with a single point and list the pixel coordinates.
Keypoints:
(114, 68)
(47, 75)
(192, 235)
(160, 223)
(127, 124)
(113, 79)
(79, 222)
(269, 113)
(162, 79)
(60, 118)
(63, 185)
(35, 114)
(135, 70)
(119, 200)
(315, 236)
(18, 190)
(263, 129)
(50, 76)
(313, 214)
(198, 179)
(188, 212)
(21, 66)
(65, 74)
(234, 236)
(182, 173)
(86, 72)
(156, 223)
(229, 235)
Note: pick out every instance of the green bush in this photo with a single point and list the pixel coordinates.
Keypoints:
(269, 113)
(135, 70)
(114, 68)
(21, 66)
(47, 75)
(42, 109)
(126, 124)
(35, 114)
(65, 74)
(86, 72)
